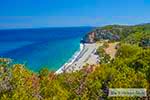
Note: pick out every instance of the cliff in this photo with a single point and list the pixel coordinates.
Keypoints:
(115, 32)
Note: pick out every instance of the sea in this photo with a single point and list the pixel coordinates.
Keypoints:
(41, 47)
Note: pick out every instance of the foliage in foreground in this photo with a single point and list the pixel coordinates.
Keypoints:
(129, 69)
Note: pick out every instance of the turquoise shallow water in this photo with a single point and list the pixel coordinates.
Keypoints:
(38, 48)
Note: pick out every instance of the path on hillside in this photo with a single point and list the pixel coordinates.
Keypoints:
(111, 49)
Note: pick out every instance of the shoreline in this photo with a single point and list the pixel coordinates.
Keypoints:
(85, 55)
(71, 60)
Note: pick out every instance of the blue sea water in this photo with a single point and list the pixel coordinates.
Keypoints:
(44, 47)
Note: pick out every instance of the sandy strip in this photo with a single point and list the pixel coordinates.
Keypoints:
(86, 55)
(111, 50)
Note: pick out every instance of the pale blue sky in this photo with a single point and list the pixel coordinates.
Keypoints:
(63, 13)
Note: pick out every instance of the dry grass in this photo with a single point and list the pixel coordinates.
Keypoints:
(111, 49)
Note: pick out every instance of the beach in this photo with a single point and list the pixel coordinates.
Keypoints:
(86, 55)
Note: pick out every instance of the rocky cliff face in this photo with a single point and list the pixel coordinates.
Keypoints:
(137, 34)
(100, 34)
(89, 38)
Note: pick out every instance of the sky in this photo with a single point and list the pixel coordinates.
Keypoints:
(68, 13)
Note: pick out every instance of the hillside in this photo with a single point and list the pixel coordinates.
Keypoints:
(137, 33)
(128, 67)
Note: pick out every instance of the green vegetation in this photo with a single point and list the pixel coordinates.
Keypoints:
(129, 69)
(121, 32)
(103, 57)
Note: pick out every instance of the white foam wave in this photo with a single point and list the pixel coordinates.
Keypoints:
(71, 60)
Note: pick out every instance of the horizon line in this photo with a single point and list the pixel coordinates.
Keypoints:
(20, 28)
